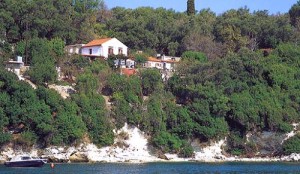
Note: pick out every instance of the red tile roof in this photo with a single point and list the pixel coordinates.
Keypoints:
(153, 59)
(97, 42)
(128, 72)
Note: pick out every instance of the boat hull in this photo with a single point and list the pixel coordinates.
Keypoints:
(32, 163)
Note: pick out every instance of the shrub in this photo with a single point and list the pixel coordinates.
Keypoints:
(236, 144)
(4, 138)
(292, 145)
(26, 139)
(186, 150)
(167, 142)
(194, 55)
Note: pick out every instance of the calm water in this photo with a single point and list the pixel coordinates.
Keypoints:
(157, 168)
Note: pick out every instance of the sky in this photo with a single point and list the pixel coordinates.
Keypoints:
(217, 6)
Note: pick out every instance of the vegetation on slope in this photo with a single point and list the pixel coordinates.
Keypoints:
(240, 73)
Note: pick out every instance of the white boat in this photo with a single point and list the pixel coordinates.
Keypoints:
(25, 161)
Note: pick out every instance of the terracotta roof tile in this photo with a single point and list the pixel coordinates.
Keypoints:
(128, 72)
(153, 59)
(97, 42)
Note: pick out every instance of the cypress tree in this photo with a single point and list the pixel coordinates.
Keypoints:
(191, 7)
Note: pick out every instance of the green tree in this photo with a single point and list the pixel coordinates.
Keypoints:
(151, 81)
(121, 109)
(87, 83)
(69, 127)
(41, 60)
(172, 48)
(140, 59)
(167, 142)
(92, 108)
(191, 7)
(292, 145)
(193, 55)
(294, 13)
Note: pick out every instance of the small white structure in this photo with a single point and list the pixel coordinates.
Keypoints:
(15, 66)
(153, 63)
(74, 49)
(129, 63)
(161, 64)
(170, 58)
(104, 48)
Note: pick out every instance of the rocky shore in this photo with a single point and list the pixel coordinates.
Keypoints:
(131, 146)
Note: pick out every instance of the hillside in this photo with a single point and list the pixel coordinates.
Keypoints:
(238, 80)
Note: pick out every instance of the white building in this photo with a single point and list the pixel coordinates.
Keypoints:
(74, 49)
(166, 65)
(103, 48)
(129, 63)
(15, 66)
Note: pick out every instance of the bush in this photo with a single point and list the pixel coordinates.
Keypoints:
(186, 150)
(4, 138)
(167, 142)
(237, 152)
(292, 145)
(236, 144)
(194, 55)
(285, 127)
(94, 116)
(26, 139)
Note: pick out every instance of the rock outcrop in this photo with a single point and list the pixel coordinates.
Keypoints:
(293, 157)
(131, 145)
(78, 157)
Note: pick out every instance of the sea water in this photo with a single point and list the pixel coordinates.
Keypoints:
(159, 168)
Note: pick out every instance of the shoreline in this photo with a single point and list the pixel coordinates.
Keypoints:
(84, 158)
(134, 149)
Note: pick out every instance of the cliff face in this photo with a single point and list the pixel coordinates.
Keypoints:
(267, 143)
(131, 145)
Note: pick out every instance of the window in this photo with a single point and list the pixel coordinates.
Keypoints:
(110, 51)
(91, 51)
(120, 51)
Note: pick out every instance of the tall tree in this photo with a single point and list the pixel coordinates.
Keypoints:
(294, 13)
(191, 7)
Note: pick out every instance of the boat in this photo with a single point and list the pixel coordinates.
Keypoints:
(25, 161)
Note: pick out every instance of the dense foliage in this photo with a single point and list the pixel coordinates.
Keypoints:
(292, 145)
(239, 73)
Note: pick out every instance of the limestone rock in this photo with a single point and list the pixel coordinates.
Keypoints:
(162, 156)
(3, 159)
(54, 159)
(292, 157)
(78, 158)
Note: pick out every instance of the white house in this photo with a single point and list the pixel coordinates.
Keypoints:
(161, 64)
(153, 63)
(169, 58)
(15, 66)
(103, 48)
(74, 49)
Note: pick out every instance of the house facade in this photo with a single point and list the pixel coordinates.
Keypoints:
(104, 48)
(161, 64)
(15, 66)
(74, 49)
(129, 63)
(153, 62)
